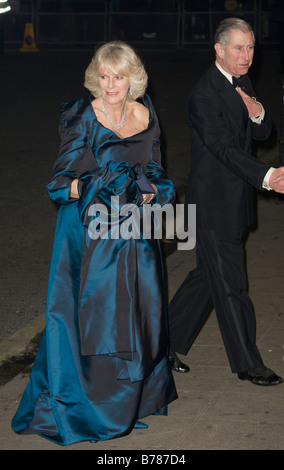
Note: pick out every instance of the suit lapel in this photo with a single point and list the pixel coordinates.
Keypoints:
(230, 97)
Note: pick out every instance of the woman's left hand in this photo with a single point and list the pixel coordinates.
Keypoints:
(149, 197)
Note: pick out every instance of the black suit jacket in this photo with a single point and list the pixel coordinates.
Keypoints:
(223, 173)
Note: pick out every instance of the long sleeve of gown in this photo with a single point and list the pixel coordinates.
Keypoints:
(156, 174)
(75, 152)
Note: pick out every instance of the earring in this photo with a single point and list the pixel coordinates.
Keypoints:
(130, 91)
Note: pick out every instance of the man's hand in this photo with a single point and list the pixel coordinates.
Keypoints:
(276, 181)
(254, 108)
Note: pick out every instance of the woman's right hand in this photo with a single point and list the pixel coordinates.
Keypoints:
(74, 193)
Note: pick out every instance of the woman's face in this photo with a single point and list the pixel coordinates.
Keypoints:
(114, 87)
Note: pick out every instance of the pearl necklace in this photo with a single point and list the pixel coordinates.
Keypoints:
(114, 124)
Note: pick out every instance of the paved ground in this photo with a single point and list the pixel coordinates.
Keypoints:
(215, 410)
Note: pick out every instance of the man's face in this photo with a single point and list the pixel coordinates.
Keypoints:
(237, 57)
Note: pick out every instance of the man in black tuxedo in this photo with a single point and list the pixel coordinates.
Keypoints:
(224, 117)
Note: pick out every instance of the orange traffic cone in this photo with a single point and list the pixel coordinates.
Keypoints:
(29, 44)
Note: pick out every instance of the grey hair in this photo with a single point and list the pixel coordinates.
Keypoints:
(223, 31)
(117, 57)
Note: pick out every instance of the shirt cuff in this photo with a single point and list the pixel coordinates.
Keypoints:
(265, 183)
(259, 119)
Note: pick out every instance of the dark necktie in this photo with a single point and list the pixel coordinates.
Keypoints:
(240, 81)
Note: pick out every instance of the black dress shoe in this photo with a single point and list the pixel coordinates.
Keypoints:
(177, 365)
(268, 377)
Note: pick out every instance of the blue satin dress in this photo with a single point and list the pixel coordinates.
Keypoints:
(102, 362)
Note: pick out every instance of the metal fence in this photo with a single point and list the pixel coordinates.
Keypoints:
(173, 24)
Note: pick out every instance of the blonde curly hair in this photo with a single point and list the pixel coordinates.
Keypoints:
(119, 58)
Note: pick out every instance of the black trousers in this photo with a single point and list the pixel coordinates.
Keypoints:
(218, 281)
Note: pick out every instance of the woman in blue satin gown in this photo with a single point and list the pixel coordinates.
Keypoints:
(103, 359)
